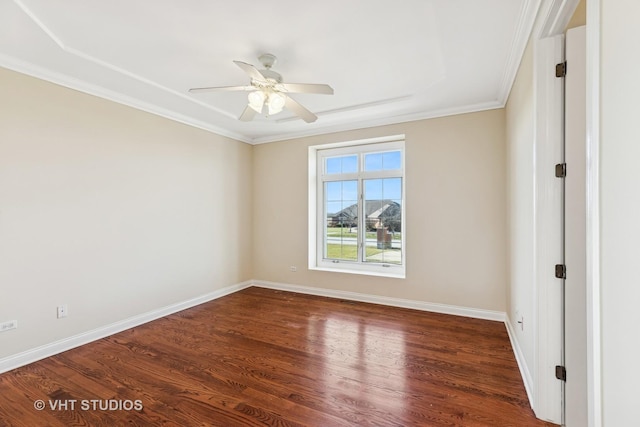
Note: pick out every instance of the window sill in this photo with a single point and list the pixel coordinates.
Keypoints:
(398, 274)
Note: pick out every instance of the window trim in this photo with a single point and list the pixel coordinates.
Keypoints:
(316, 206)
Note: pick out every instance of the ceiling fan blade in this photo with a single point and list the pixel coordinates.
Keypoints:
(221, 89)
(307, 88)
(250, 70)
(248, 114)
(299, 110)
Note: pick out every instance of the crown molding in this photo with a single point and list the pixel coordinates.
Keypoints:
(384, 121)
(110, 95)
(553, 17)
(526, 23)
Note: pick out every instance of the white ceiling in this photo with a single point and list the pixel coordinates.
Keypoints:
(388, 61)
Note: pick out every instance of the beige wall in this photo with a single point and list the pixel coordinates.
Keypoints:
(455, 213)
(579, 17)
(110, 210)
(520, 175)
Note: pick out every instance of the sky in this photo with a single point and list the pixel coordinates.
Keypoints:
(342, 194)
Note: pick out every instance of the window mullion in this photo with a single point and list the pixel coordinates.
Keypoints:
(339, 177)
(361, 222)
(360, 209)
(382, 174)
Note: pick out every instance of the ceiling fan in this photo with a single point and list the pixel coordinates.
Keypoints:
(266, 90)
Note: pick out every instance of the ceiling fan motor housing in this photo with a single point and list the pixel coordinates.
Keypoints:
(267, 60)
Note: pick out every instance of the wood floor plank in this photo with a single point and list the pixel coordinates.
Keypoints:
(264, 357)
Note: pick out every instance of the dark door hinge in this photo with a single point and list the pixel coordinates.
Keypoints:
(561, 271)
(561, 373)
(561, 69)
(561, 170)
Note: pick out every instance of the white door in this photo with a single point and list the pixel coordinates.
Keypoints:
(575, 336)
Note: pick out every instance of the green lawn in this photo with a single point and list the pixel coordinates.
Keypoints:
(348, 252)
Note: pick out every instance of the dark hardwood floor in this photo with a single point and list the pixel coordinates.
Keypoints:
(264, 357)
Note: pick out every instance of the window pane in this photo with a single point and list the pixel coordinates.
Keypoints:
(343, 164)
(373, 189)
(392, 188)
(390, 160)
(333, 191)
(383, 210)
(349, 190)
(341, 229)
(333, 208)
(373, 162)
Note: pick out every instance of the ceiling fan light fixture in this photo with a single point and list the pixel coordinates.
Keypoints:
(276, 103)
(256, 100)
(266, 87)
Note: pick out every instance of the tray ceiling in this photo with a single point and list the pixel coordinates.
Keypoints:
(388, 61)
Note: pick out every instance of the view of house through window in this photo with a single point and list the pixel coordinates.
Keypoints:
(360, 194)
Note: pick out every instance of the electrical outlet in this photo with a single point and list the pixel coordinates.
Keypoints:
(63, 311)
(11, 324)
(293, 268)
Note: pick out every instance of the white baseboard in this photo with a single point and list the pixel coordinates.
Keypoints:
(47, 350)
(476, 313)
(527, 379)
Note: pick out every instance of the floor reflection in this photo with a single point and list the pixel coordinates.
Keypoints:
(363, 361)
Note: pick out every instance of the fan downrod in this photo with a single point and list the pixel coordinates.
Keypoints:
(267, 60)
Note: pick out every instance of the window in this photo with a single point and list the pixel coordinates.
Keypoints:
(357, 207)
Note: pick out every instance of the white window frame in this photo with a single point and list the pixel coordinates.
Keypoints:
(317, 217)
